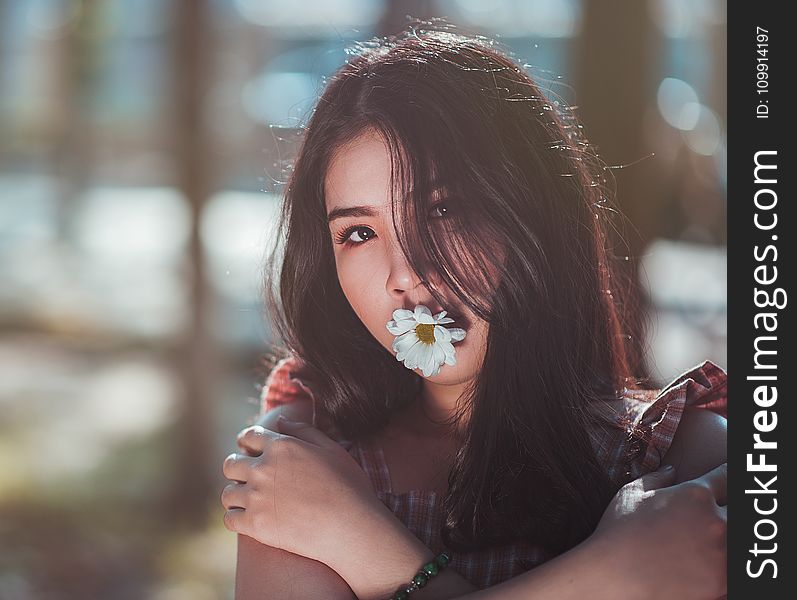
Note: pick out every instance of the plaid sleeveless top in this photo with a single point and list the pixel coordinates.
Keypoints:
(632, 444)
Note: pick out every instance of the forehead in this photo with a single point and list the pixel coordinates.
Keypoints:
(359, 173)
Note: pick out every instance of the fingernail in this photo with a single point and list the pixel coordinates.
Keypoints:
(666, 468)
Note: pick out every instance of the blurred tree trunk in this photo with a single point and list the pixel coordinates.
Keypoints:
(79, 57)
(197, 358)
(615, 84)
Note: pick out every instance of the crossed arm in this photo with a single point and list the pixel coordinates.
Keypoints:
(263, 571)
(266, 572)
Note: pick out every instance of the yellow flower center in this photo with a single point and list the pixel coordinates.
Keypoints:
(425, 333)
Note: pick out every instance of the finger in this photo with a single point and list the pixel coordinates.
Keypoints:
(253, 440)
(248, 450)
(234, 496)
(236, 519)
(238, 466)
(304, 431)
(655, 480)
(717, 480)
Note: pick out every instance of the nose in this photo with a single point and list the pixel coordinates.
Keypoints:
(403, 284)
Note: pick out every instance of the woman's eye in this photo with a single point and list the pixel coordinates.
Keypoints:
(355, 235)
(440, 210)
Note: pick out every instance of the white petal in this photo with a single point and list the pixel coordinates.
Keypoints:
(441, 334)
(423, 369)
(429, 364)
(439, 354)
(440, 315)
(450, 351)
(402, 344)
(457, 334)
(434, 359)
(413, 355)
(403, 326)
(402, 313)
(420, 311)
(445, 321)
(426, 361)
(403, 355)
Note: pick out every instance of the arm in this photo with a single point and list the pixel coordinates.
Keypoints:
(614, 563)
(586, 571)
(265, 572)
(609, 566)
(698, 446)
(598, 568)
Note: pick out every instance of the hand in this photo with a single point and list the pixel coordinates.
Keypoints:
(297, 489)
(671, 539)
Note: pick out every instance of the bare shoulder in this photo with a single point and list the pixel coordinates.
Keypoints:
(699, 444)
(266, 572)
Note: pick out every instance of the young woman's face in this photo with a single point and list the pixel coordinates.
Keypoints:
(372, 270)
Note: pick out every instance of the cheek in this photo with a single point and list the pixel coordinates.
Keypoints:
(363, 285)
(357, 276)
(471, 350)
(350, 284)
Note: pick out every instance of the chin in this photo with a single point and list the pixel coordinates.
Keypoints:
(448, 375)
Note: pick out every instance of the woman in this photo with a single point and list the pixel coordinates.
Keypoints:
(435, 176)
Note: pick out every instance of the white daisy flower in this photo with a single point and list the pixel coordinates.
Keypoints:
(421, 340)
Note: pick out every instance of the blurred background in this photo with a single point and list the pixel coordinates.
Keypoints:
(142, 143)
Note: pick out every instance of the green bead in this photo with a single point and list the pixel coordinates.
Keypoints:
(443, 559)
(430, 569)
(420, 579)
(400, 595)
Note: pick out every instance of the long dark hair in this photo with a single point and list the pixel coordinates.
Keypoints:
(521, 182)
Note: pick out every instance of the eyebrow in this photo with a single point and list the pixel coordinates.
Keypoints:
(351, 211)
(368, 211)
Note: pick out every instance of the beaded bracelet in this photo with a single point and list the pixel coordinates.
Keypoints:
(426, 572)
